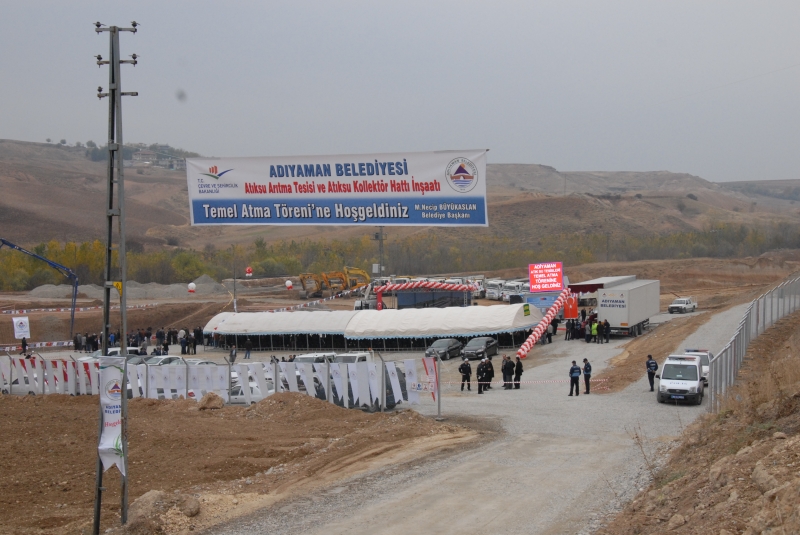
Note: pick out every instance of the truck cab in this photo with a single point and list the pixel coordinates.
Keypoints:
(681, 379)
(494, 289)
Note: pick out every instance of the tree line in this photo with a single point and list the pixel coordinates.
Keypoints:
(422, 253)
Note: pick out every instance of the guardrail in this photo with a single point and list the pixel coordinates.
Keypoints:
(762, 314)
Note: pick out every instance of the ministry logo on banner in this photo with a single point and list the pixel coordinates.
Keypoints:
(112, 388)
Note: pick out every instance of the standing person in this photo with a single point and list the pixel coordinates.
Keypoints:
(466, 375)
(24, 346)
(594, 331)
(583, 314)
(517, 373)
(507, 369)
(77, 342)
(568, 328)
(489, 373)
(248, 347)
(480, 375)
(607, 330)
(652, 368)
(599, 333)
(232, 355)
(574, 379)
(587, 374)
(588, 328)
(550, 333)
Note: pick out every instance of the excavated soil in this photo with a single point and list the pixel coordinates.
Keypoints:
(737, 471)
(234, 459)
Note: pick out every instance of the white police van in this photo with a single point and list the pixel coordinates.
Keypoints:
(681, 379)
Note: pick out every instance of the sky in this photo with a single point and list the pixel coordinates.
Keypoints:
(708, 88)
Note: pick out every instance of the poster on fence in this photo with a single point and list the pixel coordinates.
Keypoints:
(22, 327)
(441, 188)
(112, 387)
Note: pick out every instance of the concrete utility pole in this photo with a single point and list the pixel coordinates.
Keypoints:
(115, 208)
(379, 237)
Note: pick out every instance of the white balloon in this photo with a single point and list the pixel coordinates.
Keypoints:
(288, 285)
(192, 286)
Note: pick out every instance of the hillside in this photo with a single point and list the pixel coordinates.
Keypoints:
(50, 191)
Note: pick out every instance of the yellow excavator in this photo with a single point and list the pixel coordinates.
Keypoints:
(335, 281)
(312, 284)
(351, 278)
(356, 278)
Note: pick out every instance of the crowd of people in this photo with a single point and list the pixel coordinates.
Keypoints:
(484, 374)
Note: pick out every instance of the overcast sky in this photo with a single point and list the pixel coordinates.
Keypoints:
(602, 85)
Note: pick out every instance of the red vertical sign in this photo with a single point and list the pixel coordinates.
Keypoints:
(546, 277)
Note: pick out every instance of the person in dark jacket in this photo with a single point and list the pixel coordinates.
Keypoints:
(480, 375)
(568, 329)
(466, 375)
(587, 374)
(232, 355)
(517, 373)
(508, 373)
(24, 346)
(600, 327)
(248, 347)
(489, 373)
(607, 330)
(574, 379)
(652, 368)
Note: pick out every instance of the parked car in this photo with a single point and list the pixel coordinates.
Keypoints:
(199, 362)
(237, 395)
(681, 380)
(444, 348)
(162, 361)
(115, 352)
(478, 348)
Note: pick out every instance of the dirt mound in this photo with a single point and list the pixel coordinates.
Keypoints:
(736, 471)
(204, 279)
(49, 445)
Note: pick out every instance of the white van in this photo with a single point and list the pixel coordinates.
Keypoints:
(705, 357)
(494, 289)
(681, 379)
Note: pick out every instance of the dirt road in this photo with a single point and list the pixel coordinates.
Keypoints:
(562, 465)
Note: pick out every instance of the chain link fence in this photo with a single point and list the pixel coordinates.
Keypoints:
(762, 314)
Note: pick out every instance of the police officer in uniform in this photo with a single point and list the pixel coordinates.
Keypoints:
(587, 374)
(480, 375)
(574, 379)
(652, 368)
(466, 375)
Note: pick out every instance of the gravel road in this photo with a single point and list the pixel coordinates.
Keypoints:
(561, 465)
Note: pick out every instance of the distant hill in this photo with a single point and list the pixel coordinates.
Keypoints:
(55, 192)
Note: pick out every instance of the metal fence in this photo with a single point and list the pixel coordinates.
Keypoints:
(762, 314)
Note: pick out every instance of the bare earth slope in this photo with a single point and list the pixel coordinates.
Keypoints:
(50, 191)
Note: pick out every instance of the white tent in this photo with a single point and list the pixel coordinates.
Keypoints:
(266, 323)
(438, 322)
(374, 324)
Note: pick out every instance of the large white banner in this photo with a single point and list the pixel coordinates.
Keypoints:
(443, 188)
(22, 327)
(112, 388)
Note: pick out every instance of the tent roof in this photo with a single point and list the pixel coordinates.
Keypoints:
(439, 322)
(374, 324)
(264, 323)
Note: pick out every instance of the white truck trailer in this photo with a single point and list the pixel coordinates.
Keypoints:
(629, 306)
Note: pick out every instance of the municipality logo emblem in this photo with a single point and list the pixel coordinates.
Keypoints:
(113, 389)
(462, 175)
(213, 172)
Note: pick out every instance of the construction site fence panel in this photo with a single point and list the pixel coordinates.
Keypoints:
(761, 314)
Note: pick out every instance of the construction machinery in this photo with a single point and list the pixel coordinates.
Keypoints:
(351, 278)
(312, 285)
(356, 278)
(64, 270)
